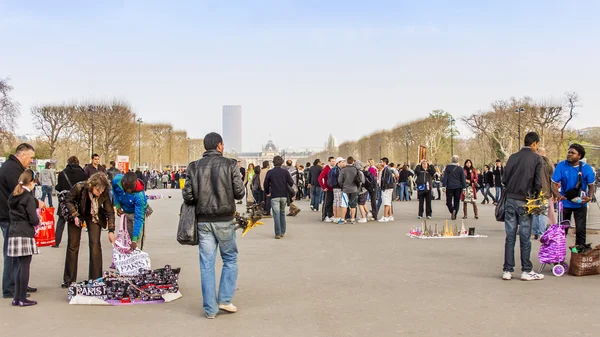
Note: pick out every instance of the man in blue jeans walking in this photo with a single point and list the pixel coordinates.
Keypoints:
(523, 179)
(213, 184)
(277, 183)
(315, 188)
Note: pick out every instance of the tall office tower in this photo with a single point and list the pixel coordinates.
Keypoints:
(232, 128)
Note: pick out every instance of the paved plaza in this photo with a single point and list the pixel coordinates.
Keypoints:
(328, 280)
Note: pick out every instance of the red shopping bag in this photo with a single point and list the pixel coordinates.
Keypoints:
(44, 232)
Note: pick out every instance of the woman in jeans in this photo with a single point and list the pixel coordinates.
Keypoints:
(405, 175)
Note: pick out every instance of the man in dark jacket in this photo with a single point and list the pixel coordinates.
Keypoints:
(523, 179)
(276, 186)
(112, 171)
(213, 184)
(314, 186)
(9, 178)
(498, 183)
(71, 175)
(486, 183)
(454, 181)
(94, 167)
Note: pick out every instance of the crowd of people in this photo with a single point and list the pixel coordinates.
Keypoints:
(342, 190)
(89, 198)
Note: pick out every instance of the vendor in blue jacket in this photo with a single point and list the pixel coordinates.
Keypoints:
(131, 200)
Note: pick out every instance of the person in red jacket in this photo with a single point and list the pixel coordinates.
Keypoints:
(328, 202)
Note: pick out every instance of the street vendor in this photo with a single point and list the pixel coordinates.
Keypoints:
(131, 200)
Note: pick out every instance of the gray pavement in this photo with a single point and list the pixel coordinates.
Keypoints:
(328, 280)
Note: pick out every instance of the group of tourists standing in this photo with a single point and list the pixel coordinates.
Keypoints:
(89, 197)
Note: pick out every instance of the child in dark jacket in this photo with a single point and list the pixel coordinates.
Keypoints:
(21, 242)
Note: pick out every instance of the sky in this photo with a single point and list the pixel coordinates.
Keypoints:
(300, 69)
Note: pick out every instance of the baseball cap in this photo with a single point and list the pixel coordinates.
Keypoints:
(339, 159)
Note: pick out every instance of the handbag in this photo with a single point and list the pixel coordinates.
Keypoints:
(499, 211)
(187, 233)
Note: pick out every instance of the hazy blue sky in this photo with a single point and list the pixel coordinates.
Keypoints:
(300, 69)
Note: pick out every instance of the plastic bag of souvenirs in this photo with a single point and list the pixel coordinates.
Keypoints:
(45, 234)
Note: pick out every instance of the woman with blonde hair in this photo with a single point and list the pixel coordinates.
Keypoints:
(88, 203)
(21, 242)
(248, 180)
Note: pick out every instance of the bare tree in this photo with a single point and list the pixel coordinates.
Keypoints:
(53, 121)
(9, 111)
(572, 102)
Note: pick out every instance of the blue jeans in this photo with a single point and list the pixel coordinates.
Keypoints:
(498, 192)
(315, 196)
(47, 191)
(379, 201)
(404, 192)
(11, 265)
(539, 224)
(517, 219)
(210, 236)
(278, 209)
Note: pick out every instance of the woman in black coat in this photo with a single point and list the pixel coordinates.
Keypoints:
(424, 182)
(21, 242)
(71, 175)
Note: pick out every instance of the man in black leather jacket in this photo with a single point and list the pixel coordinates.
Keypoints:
(213, 184)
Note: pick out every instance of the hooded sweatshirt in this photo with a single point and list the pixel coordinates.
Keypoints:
(132, 203)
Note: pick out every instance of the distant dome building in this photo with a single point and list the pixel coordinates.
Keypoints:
(269, 151)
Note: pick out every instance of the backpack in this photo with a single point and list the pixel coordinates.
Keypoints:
(370, 181)
(63, 210)
(332, 177)
(357, 181)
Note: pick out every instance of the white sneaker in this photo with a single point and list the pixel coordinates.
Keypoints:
(228, 307)
(507, 275)
(363, 220)
(419, 217)
(429, 217)
(328, 220)
(391, 218)
(384, 219)
(531, 276)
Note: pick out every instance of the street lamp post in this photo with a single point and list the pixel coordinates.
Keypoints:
(139, 121)
(91, 111)
(452, 120)
(519, 110)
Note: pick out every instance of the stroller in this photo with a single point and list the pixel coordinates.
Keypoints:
(554, 246)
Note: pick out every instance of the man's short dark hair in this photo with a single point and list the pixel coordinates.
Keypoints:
(392, 164)
(329, 159)
(531, 138)
(48, 164)
(129, 180)
(265, 164)
(95, 155)
(498, 161)
(307, 164)
(385, 160)
(350, 160)
(23, 147)
(579, 148)
(277, 161)
(112, 163)
(316, 162)
(212, 140)
(487, 166)
(288, 162)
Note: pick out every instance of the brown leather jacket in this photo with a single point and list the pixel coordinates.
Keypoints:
(76, 202)
(547, 171)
